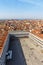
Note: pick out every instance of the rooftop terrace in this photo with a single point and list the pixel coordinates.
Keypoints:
(25, 52)
(32, 52)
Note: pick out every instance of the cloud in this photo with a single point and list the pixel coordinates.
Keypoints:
(34, 2)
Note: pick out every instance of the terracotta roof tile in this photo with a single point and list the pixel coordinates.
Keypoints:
(2, 39)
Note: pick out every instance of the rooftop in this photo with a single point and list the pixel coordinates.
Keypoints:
(25, 53)
(3, 36)
(37, 33)
(32, 52)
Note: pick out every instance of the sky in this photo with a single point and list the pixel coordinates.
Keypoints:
(21, 9)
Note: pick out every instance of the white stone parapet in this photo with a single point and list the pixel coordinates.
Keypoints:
(36, 39)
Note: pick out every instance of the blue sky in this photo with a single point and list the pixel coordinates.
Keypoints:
(21, 9)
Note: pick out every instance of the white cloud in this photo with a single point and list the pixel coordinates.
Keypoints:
(35, 2)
